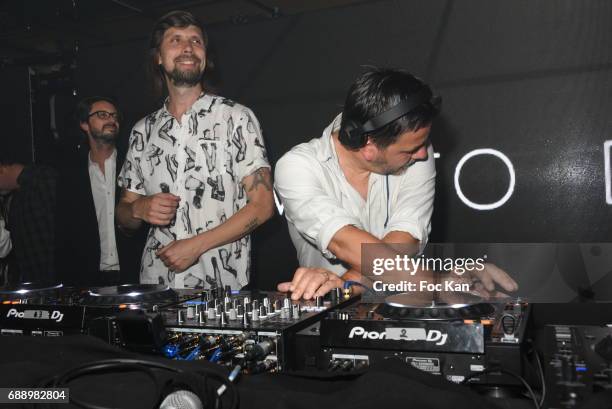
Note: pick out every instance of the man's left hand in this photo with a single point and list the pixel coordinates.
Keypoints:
(309, 283)
(179, 255)
(485, 282)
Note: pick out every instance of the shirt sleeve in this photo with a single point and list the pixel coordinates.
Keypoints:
(314, 212)
(414, 195)
(5, 240)
(131, 177)
(248, 143)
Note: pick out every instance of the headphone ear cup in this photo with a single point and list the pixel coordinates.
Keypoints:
(344, 135)
(352, 136)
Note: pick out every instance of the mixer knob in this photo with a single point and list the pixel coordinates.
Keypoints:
(295, 313)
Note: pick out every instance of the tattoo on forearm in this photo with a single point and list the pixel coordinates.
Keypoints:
(261, 177)
(250, 226)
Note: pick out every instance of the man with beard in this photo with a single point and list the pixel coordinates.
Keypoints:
(370, 178)
(196, 170)
(91, 251)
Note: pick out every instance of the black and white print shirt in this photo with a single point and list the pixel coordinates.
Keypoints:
(203, 160)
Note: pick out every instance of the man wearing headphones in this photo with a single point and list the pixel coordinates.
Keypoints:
(370, 178)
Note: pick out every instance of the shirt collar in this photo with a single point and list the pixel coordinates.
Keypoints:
(194, 107)
(328, 149)
(113, 158)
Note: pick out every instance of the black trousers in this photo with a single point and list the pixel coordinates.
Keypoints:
(106, 278)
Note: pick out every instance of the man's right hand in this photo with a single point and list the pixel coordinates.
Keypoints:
(158, 209)
(309, 283)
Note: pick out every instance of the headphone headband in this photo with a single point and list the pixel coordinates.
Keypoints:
(355, 132)
(401, 109)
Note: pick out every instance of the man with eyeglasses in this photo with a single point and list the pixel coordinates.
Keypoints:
(196, 171)
(92, 252)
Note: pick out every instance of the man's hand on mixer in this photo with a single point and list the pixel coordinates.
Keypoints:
(309, 283)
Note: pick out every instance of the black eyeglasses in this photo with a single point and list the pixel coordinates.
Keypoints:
(105, 115)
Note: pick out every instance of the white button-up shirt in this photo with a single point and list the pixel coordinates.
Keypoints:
(103, 191)
(203, 159)
(318, 200)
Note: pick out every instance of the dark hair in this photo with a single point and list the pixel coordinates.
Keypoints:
(11, 154)
(84, 106)
(180, 19)
(376, 91)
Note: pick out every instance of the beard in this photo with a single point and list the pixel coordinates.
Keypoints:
(404, 168)
(106, 138)
(383, 168)
(187, 78)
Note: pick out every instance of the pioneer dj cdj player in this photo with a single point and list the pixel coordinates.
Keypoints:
(459, 341)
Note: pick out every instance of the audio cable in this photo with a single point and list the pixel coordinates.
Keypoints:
(510, 373)
(349, 283)
(541, 373)
(139, 365)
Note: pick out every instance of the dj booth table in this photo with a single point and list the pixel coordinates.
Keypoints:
(31, 361)
(325, 353)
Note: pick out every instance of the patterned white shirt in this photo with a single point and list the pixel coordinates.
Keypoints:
(203, 160)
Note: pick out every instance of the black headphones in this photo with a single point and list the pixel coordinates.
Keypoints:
(354, 134)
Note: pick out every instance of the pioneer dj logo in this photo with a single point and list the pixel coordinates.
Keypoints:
(361, 332)
(401, 334)
(35, 315)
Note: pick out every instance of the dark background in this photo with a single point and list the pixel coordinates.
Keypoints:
(532, 79)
